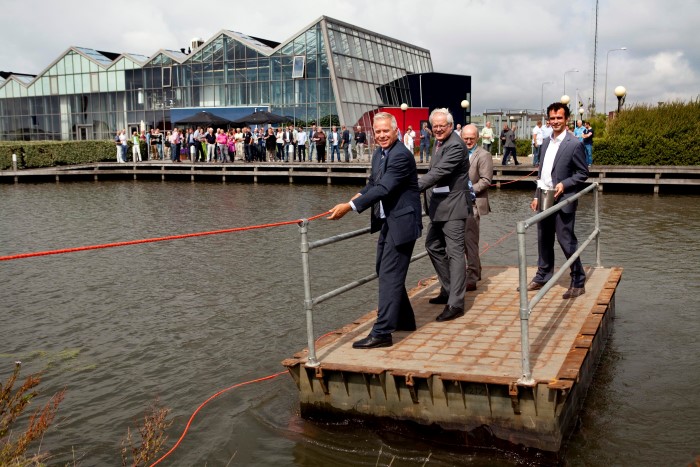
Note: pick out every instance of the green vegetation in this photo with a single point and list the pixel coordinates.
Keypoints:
(668, 134)
(36, 154)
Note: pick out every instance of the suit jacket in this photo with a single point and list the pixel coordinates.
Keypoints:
(569, 167)
(397, 189)
(449, 167)
(480, 174)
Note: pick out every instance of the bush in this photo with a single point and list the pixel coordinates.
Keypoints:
(668, 134)
(36, 154)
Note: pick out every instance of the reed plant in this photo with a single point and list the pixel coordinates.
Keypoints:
(14, 442)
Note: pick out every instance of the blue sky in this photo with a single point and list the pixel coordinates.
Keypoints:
(509, 47)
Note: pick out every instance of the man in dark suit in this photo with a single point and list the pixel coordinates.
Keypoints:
(448, 210)
(392, 193)
(480, 175)
(345, 142)
(563, 170)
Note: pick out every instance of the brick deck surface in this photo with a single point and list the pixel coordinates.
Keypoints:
(485, 342)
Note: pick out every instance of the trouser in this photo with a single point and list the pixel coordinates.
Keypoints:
(536, 155)
(223, 152)
(247, 152)
(136, 152)
(335, 149)
(394, 309)
(159, 148)
(301, 148)
(346, 149)
(425, 150)
(360, 149)
(199, 151)
(175, 152)
(321, 153)
(487, 147)
(507, 154)
(211, 152)
(562, 224)
(471, 246)
(445, 246)
(589, 154)
(280, 151)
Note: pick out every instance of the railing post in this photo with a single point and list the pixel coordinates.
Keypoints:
(14, 162)
(308, 302)
(526, 377)
(597, 228)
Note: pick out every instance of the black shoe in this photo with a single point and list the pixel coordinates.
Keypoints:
(371, 342)
(471, 287)
(450, 313)
(439, 300)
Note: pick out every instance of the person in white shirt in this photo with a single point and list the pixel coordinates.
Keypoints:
(409, 138)
(301, 144)
(537, 138)
(487, 137)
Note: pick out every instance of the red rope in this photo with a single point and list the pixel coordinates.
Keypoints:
(516, 180)
(189, 422)
(152, 240)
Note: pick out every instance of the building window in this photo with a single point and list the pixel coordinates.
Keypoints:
(167, 76)
(298, 67)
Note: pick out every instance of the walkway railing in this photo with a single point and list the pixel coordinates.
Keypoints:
(309, 302)
(525, 306)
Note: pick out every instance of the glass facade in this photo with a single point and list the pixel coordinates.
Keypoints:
(330, 73)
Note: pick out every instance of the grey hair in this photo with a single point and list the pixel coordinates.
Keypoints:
(444, 112)
(472, 127)
(387, 116)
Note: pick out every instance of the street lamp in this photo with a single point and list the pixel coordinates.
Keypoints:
(465, 106)
(542, 98)
(581, 112)
(573, 70)
(621, 93)
(605, 94)
(404, 108)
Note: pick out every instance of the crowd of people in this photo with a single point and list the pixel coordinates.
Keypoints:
(296, 144)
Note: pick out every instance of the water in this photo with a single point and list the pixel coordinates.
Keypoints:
(181, 320)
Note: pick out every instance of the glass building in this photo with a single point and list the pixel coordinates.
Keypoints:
(329, 73)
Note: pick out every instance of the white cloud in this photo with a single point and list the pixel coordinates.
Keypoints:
(509, 47)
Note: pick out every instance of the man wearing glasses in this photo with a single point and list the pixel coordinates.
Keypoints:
(480, 175)
(448, 209)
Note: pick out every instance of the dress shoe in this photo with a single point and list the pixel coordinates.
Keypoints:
(533, 286)
(450, 313)
(372, 342)
(574, 292)
(471, 287)
(439, 300)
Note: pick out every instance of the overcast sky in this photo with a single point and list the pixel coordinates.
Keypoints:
(508, 47)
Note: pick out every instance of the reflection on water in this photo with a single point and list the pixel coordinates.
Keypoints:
(181, 320)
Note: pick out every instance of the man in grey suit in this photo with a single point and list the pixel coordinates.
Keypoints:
(563, 170)
(392, 193)
(448, 210)
(480, 175)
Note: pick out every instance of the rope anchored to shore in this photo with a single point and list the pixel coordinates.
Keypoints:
(156, 239)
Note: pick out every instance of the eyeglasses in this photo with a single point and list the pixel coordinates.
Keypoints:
(468, 138)
(441, 127)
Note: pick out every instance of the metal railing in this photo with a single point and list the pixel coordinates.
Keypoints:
(525, 306)
(309, 302)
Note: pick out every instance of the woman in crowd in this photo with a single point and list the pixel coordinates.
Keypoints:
(320, 140)
(270, 144)
(280, 144)
(222, 145)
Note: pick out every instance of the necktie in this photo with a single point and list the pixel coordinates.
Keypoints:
(380, 172)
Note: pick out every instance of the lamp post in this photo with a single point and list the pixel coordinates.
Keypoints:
(542, 98)
(465, 106)
(621, 93)
(573, 70)
(404, 108)
(581, 111)
(605, 94)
